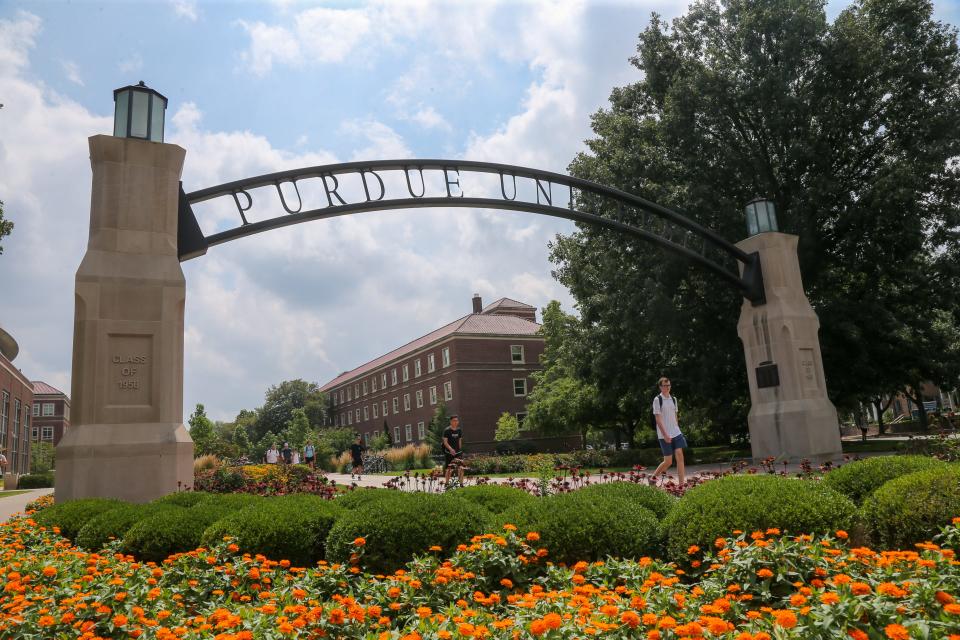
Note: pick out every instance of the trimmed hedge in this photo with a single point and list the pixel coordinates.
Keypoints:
(71, 516)
(857, 480)
(588, 526)
(493, 498)
(183, 498)
(229, 501)
(912, 508)
(362, 497)
(652, 498)
(750, 503)
(35, 481)
(293, 528)
(116, 522)
(397, 529)
(168, 532)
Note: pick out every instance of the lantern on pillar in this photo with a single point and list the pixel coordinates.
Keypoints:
(138, 113)
(761, 216)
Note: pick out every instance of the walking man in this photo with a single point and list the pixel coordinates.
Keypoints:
(356, 455)
(672, 442)
(273, 456)
(453, 449)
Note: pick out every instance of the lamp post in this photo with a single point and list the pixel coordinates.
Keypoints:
(138, 112)
(761, 216)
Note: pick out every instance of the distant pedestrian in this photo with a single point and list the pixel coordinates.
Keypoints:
(453, 449)
(273, 456)
(356, 454)
(296, 456)
(286, 453)
(672, 442)
(309, 453)
(3, 463)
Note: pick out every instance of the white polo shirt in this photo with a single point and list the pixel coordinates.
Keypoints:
(669, 414)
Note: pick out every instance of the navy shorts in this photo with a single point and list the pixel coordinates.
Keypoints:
(678, 442)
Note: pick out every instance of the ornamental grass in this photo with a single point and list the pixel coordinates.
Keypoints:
(752, 585)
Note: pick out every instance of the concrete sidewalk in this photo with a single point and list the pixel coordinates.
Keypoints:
(10, 505)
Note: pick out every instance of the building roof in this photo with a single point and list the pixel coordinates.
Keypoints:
(41, 388)
(507, 303)
(472, 324)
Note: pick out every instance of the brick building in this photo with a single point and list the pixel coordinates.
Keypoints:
(16, 398)
(479, 365)
(51, 413)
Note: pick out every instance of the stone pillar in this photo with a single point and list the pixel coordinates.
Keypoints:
(127, 438)
(791, 417)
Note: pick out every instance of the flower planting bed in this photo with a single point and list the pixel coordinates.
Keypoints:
(759, 585)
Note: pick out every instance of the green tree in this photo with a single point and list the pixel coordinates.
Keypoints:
(280, 402)
(6, 226)
(508, 427)
(201, 431)
(439, 422)
(241, 440)
(851, 128)
(297, 429)
(43, 457)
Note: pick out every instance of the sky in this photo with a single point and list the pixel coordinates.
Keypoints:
(256, 87)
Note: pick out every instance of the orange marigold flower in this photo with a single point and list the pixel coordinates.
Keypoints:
(830, 598)
(46, 621)
(765, 573)
(119, 621)
(506, 583)
(630, 618)
(359, 542)
(336, 616)
(944, 597)
(49, 571)
(856, 634)
(860, 588)
(538, 627)
(552, 620)
(694, 549)
(785, 619)
(843, 535)
(896, 632)
(533, 536)
(953, 609)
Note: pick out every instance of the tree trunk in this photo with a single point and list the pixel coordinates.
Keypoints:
(881, 409)
(921, 411)
(631, 427)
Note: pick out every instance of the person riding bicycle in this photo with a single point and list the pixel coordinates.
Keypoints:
(356, 452)
(453, 449)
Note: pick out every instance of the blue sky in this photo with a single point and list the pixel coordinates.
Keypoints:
(259, 87)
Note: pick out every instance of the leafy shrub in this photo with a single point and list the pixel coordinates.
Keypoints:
(578, 526)
(71, 516)
(396, 529)
(493, 498)
(361, 497)
(749, 503)
(656, 500)
(857, 480)
(942, 446)
(913, 507)
(182, 498)
(167, 532)
(35, 481)
(293, 528)
(116, 522)
(231, 501)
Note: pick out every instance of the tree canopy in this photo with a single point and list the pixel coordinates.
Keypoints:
(6, 226)
(852, 128)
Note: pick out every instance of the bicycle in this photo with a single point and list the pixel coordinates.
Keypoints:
(374, 464)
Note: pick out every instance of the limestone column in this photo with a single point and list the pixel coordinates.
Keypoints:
(127, 438)
(790, 417)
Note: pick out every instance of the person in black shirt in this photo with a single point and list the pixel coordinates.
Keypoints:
(453, 449)
(287, 453)
(356, 452)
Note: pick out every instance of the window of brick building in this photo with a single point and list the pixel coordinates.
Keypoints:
(349, 394)
(364, 387)
(519, 387)
(349, 418)
(35, 433)
(47, 409)
(4, 417)
(406, 372)
(433, 395)
(408, 431)
(445, 356)
(419, 398)
(431, 363)
(376, 410)
(356, 390)
(448, 391)
(396, 434)
(384, 406)
(516, 353)
(421, 431)
(406, 402)
(373, 384)
(396, 404)
(417, 370)
(366, 413)
(521, 416)
(393, 377)
(36, 409)
(47, 433)
(357, 414)
(383, 380)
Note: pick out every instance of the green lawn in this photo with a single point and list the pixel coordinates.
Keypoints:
(5, 494)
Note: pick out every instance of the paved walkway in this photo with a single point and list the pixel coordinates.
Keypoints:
(10, 505)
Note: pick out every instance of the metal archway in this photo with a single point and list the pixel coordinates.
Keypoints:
(368, 176)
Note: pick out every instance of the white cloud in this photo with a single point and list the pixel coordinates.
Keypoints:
(428, 118)
(186, 9)
(73, 72)
(269, 45)
(16, 39)
(132, 64)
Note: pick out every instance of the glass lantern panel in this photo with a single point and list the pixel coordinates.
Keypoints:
(752, 225)
(120, 114)
(138, 116)
(156, 119)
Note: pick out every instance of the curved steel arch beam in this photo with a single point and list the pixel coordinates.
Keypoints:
(193, 243)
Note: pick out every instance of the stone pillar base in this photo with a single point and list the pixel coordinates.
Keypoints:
(10, 481)
(793, 431)
(132, 462)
